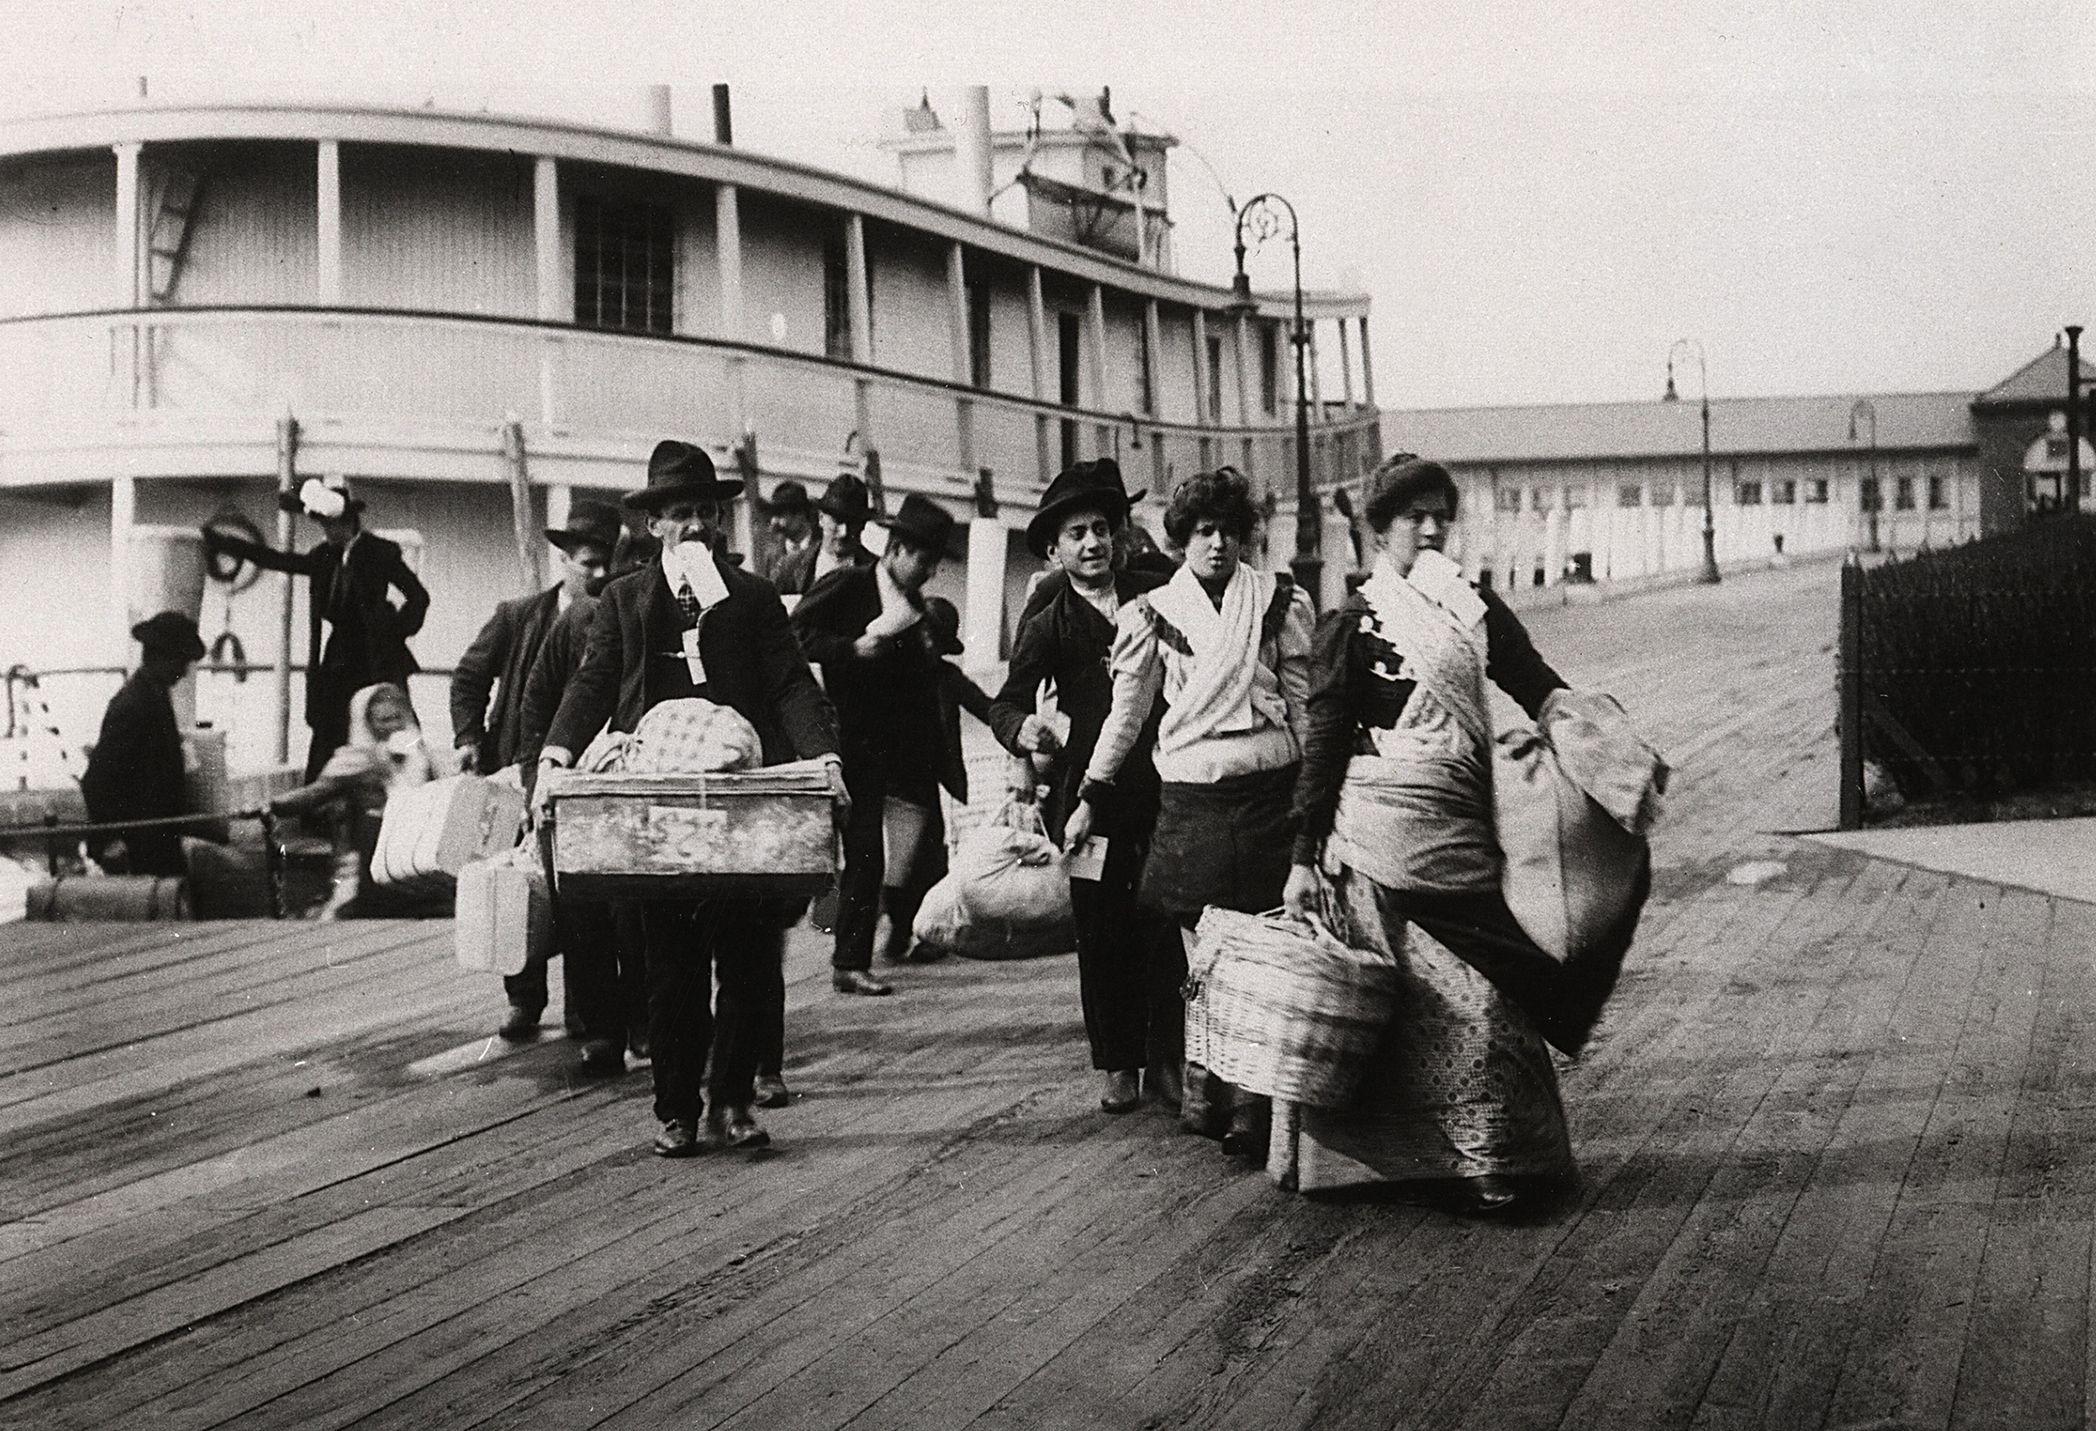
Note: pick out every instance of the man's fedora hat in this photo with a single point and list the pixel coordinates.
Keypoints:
(1106, 469)
(848, 499)
(786, 498)
(1081, 486)
(923, 523)
(591, 523)
(169, 634)
(678, 471)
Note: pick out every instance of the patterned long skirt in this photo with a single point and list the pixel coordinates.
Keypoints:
(1462, 1084)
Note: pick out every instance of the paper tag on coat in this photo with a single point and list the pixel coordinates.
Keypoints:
(1088, 861)
(693, 662)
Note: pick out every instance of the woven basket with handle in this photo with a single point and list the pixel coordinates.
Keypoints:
(1283, 1007)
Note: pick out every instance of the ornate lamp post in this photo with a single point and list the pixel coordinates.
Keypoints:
(1862, 410)
(1710, 535)
(1262, 215)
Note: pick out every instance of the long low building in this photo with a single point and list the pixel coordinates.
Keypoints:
(1613, 492)
(477, 318)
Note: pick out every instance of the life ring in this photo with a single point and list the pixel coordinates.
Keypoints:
(224, 567)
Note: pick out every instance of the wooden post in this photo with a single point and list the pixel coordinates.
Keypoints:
(1849, 696)
(1043, 365)
(327, 224)
(1095, 319)
(859, 304)
(963, 367)
(287, 534)
(531, 568)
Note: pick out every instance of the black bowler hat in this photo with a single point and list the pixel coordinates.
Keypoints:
(590, 523)
(786, 498)
(1083, 485)
(923, 523)
(169, 634)
(848, 499)
(679, 471)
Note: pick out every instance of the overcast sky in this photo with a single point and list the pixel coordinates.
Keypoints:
(1861, 197)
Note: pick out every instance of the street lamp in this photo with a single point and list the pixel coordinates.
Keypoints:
(1263, 214)
(1863, 408)
(1710, 534)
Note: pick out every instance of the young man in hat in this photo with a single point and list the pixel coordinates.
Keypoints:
(841, 514)
(499, 660)
(366, 635)
(690, 624)
(865, 626)
(790, 518)
(135, 770)
(1128, 965)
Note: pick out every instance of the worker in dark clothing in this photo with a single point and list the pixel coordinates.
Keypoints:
(356, 636)
(501, 656)
(135, 770)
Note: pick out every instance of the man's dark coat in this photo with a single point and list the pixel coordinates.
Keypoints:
(891, 710)
(135, 773)
(503, 652)
(634, 661)
(367, 636)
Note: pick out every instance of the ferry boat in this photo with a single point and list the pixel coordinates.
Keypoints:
(478, 318)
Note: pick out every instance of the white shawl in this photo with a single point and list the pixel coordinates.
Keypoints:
(1228, 690)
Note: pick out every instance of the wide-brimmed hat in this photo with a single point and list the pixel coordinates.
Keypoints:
(942, 619)
(679, 471)
(321, 497)
(786, 498)
(169, 634)
(848, 499)
(1083, 485)
(923, 523)
(1108, 470)
(590, 523)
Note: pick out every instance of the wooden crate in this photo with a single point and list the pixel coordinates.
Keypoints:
(755, 832)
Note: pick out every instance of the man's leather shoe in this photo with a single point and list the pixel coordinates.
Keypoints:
(1492, 1195)
(637, 1045)
(772, 1091)
(1166, 1084)
(678, 1139)
(521, 1023)
(603, 1056)
(735, 1129)
(1123, 1091)
(858, 981)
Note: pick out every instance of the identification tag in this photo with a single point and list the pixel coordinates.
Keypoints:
(693, 662)
(1088, 860)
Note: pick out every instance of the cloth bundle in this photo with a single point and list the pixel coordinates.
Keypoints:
(1573, 799)
(1006, 896)
(679, 737)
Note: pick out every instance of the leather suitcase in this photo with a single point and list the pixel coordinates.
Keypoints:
(505, 914)
(438, 829)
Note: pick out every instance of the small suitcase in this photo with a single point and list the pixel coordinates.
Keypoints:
(439, 828)
(505, 914)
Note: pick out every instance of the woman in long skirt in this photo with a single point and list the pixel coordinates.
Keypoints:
(1395, 803)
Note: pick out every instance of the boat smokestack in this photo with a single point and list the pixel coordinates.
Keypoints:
(660, 114)
(973, 136)
(723, 116)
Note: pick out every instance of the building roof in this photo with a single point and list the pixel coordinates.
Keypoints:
(1568, 432)
(2042, 379)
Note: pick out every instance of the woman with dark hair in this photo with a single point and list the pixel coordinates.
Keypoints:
(1227, 650)
(1395, 802)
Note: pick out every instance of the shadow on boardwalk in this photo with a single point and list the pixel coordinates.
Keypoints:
(1835, 1136)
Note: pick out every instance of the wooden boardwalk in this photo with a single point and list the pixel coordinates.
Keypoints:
(1838, 1137)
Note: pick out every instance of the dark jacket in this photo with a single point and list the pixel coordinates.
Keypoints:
(633, 661)
(135, 773)
(1066, 640)
(560, 657)
(794, 572)
(957, 693)
(367, 636)
(1350, 695)
(502, 653)
(889, 707)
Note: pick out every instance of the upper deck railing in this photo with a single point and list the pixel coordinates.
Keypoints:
(162, 383)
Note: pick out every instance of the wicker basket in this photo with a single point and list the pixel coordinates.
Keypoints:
(1280, 1006)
